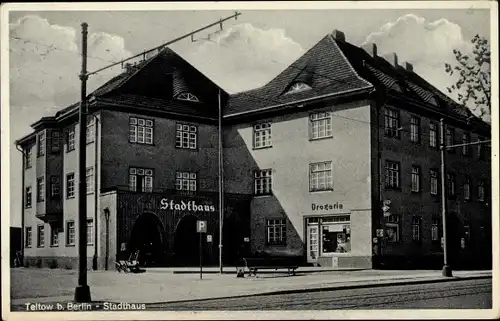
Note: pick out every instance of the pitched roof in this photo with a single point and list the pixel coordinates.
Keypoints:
(323, 67)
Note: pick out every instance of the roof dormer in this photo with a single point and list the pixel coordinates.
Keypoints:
(187, 96)
(297, 87)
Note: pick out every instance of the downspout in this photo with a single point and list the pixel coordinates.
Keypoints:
(96, 196)
(22, 203)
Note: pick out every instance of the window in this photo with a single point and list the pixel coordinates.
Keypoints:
(28, 197)
(70, 233)
(89, 180)
(40, 189)
(415, 179)
(141, 177)
(27, 157)
(450, 139)
(480, 148)
(467, 188)
(71, 138)
(391, 121)
(320, 125)
(336, 234)
(55, 141)
(320, 177)
(90, 231)
(90, 131)
(298, 86)
(433, 135)
(415, 228)
(40, 238)
(140, 130)
(467, 232)
(41, 144)
(188, 97)
(415, 129)
(186, 136)
(276, 231)
(466, 148)
(55, 186)
(28, 237)
(185, 181)
(392, 228)
(435, 230)
(451, 185)
(434, 181)
(262, 135)
(70, 185)
(54, 236)
(391, 174)
(481, 191)
(263, 182)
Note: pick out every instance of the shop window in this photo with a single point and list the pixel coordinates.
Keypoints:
(262, 135)
(186, 136)
(391, 122)
(276, 231)
(416, 224)
(392, 228)
(263, 182)
(140, 179)
(320, 125)
(141, 130)
(336, 236)
(320, 175)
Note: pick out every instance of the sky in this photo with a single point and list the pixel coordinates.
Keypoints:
(44, 49)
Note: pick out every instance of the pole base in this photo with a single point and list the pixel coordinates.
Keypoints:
(447, 271)
(82, 293)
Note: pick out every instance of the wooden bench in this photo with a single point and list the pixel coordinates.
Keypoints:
(270, 263)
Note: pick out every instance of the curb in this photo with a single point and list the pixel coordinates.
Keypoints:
(336, 287)
(260, 271)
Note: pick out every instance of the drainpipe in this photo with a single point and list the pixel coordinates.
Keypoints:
(106, 215)
(96, 196)
(22, 203)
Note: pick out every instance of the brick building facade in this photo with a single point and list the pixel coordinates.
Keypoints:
(309, 159)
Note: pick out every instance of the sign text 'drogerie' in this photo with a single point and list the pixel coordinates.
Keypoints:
(166, 204)
(323, 207)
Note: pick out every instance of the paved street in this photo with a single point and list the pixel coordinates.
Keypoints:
(470, 294)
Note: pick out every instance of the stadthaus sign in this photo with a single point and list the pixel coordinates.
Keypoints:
(166, 204)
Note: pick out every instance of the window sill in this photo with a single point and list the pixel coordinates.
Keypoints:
(28, 207)
(26, 168)
(90, 244)
(263, 147)
(70, 197)
(321, 191)
(320, 138)
(262, 195)
(40, 201)
(28, 247)
(138, 143)
(70, 245)
(55, 245)
(416, 192)
(40, 246)
(397, 189)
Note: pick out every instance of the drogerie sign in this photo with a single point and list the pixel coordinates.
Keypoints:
(166, 204)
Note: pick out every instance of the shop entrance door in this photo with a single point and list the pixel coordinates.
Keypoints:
(312, 243)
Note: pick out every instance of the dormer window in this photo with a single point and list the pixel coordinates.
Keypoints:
(297, 87)
(188, 97)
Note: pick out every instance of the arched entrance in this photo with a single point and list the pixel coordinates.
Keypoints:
(147, 237)
(186, 242)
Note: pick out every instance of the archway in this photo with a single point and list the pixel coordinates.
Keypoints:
(186, 242)
(147, 238)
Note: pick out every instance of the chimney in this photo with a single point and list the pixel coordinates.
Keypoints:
(338, 35)
(392, 58)
(370, 48)
(408, 66)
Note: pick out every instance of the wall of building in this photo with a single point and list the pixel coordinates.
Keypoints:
(289, 157)
(163, 157)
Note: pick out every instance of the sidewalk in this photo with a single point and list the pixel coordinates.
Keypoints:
(45, 285)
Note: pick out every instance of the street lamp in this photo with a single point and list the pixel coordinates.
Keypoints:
(446, 268)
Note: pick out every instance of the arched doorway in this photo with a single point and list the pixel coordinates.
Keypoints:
(186, 242)
(147, 237)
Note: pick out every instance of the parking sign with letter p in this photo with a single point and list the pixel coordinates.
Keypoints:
(201, 226)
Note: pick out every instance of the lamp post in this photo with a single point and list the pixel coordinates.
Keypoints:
(446, 267)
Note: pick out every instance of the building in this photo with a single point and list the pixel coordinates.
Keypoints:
(342, 145)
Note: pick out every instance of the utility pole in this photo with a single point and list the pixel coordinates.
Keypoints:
(221, 184)
(446, 268)
(82, 291)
